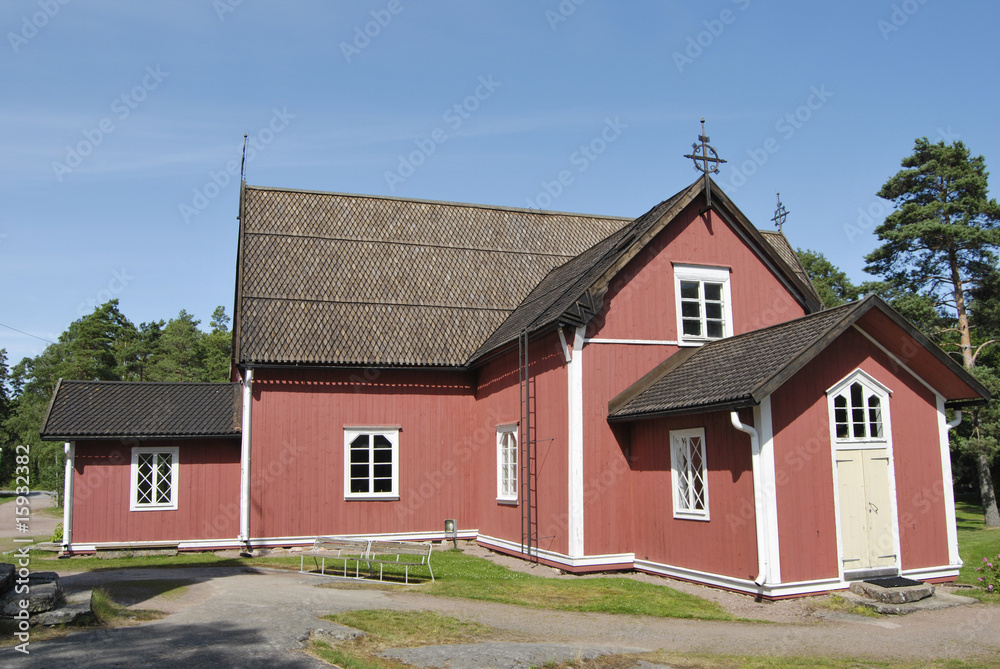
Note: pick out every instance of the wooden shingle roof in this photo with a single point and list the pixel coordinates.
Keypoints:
(327, 278)
(740, 371)
(116, 409)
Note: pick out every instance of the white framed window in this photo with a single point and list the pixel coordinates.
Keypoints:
(859, 410)
(704, 303)
(507, 462)
(154, 478)
(688, 473)
(371, 463)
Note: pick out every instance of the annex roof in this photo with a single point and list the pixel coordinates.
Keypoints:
(335, 279)
(117, 409)
(741, 371)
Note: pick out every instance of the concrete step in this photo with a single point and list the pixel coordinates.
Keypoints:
(940, 600)
(901, 595)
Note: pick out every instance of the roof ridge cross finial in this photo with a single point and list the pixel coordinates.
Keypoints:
(706, 160)
(780, 214)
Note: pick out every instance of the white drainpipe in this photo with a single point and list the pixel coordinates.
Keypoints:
(956, 421)
(245, 459)
(69, 448)
(758, 495)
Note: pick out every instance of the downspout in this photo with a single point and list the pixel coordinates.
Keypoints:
(954, 557)
(956, 421)
(69, 448)
(758, 495)
(245, 459)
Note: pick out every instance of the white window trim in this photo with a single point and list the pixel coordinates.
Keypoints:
(702, 274)
(390, 433)
(687, 514)
(873, 386)
(134, 504)
(501, 431)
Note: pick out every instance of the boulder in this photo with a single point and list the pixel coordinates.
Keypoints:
(41, 597)
(62, 616)
(6, 577)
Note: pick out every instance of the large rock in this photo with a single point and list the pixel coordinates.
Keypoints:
(899, 595)
(6, 577)
(41, 597)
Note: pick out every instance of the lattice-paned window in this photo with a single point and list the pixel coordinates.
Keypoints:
(704, 303)
(507, 462)
(689, 473)
(859, 405)
(371, 463)
(154, 478)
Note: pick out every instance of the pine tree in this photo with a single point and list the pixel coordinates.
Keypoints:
(941, 242)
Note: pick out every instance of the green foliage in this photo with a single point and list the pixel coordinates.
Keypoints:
(832, 284)
(989, 575)
(101, 346)
(57, 534)
(943, 235)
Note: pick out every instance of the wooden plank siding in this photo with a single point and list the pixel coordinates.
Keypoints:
(640, 305)
(208, 493)
(727, 543)
(297, 460)
(803, 462)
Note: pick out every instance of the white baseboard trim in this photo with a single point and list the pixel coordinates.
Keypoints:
(261, 542)
(927, 573)
(611, 559)
(742, 585)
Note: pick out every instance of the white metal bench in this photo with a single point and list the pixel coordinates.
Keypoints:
(368, 552)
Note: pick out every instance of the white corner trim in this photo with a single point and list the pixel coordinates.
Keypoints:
(768, 477)
(69, 448)
(574, 381)
(608, 559)
(567, 354)
(245, 455)
(951, 522)
(637, 342)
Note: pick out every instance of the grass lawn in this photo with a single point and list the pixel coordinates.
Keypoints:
(975, 542)
(394, 629)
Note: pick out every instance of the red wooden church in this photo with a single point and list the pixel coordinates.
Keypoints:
(664, 394)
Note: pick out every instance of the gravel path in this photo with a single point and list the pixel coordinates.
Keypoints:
(239, 617)
(38, 523)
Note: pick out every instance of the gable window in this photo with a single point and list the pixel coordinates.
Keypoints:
(371, 463)
(507, 463)
(859, 407)
(704, 303)
(154, 478)
(688, 473)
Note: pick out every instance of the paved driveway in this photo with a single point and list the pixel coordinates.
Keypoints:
(232, 617)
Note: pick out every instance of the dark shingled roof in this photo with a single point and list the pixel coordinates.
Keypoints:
(780, 243)
(741, 371)
(116, 409)
(327, 278)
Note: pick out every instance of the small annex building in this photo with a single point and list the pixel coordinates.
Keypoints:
(664, 394)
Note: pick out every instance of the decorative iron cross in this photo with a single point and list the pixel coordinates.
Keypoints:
(707, 161)
(780, 214)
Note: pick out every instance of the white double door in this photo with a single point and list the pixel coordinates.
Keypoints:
(867, 511)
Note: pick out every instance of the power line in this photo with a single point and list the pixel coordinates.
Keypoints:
(27, 333)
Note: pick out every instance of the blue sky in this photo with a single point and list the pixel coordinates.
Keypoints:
(118, 121)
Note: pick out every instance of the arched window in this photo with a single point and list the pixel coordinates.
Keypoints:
(860, 409)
